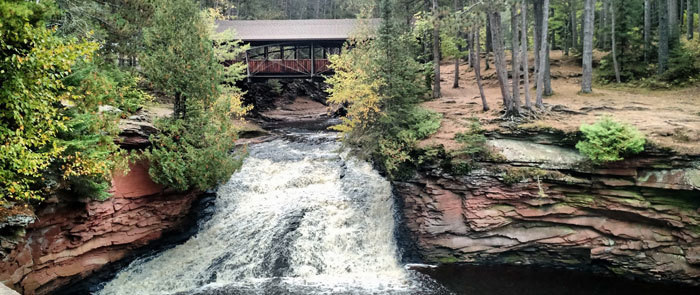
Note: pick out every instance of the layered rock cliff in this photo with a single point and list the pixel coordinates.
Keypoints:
(541, 203)
(71, 239)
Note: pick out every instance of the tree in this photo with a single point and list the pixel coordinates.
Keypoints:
(674, 30)
(500, 61)
(523, 51)
(193, 149)
(589, 20)
(515, 58)
(689, 19)
(179, 58)
(457, 7)
(543, 54)
(647, 29)
(475, 53)
(663, 37)
(616, 66)
(33, 63)
(436, 49)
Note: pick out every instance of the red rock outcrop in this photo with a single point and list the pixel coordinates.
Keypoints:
(543, 205)
(72, 239)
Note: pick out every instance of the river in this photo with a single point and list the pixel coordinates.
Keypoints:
(303, 217)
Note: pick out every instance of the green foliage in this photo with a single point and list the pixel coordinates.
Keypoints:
(90, 154)
(116, 24)
(179, 58)
(192, 154)
(399, 142)
(609, 141)
(381, 82)
(33, 60)
(194, 149)
(106, 84)
(472, 148)
(683, 64)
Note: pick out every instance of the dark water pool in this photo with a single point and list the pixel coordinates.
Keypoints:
(521, 280)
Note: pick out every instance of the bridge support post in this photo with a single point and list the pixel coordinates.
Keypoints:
(313, 60)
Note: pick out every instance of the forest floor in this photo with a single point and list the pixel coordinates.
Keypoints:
(669, 118)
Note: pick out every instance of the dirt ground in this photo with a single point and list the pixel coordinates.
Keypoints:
(669, 118)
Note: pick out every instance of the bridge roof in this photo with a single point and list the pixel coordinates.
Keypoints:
(293, 30)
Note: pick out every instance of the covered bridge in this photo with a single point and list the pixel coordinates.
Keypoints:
(292, 48)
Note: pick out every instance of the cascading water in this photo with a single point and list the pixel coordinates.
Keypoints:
(298, 218)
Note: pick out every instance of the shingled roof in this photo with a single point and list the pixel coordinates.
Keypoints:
(292, 30)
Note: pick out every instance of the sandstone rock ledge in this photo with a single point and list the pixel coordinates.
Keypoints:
(70, 240)
(543, 205)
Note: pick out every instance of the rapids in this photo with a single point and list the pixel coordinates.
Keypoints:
(300, 217)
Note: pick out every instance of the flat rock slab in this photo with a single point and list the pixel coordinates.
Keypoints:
(549, 156)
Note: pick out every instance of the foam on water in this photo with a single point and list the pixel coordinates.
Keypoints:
(299, 217)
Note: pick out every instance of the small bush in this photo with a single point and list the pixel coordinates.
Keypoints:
(398, 141)
(609, 141)
(683, 67)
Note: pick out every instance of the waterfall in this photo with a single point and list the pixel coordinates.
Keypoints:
(300, 217)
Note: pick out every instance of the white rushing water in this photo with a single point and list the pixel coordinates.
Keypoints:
(298, 218)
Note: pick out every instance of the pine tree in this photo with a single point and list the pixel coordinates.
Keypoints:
(179, 59)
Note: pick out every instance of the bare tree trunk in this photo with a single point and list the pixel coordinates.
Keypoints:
(663, 36)
(436, 50)
(588, 21)
(500, 61)
(647, 29)
(537, 34)
(476, 57)
(543, 55)
(574, 27)
(689, 18)
(614, 51)
(673, 22)
(489, 44)
(523, 52)
(459, 49)
(604, 25)
(515, 63)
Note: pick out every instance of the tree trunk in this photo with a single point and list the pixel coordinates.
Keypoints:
(515, 63)
(459, 50)
(574, 27)
(537, 33)
(588, 21)
(176, 106)
(436, 50)
(614, 51)
(647, 29)
(673, 23)
(547, 68)
(663, 36)
(604, 24)
(476, 57)
(489, 44)
(500, 60)
(544, 49)
(523, 52)
(689, 18)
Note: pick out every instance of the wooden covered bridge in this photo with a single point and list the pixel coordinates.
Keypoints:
(292, 48)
